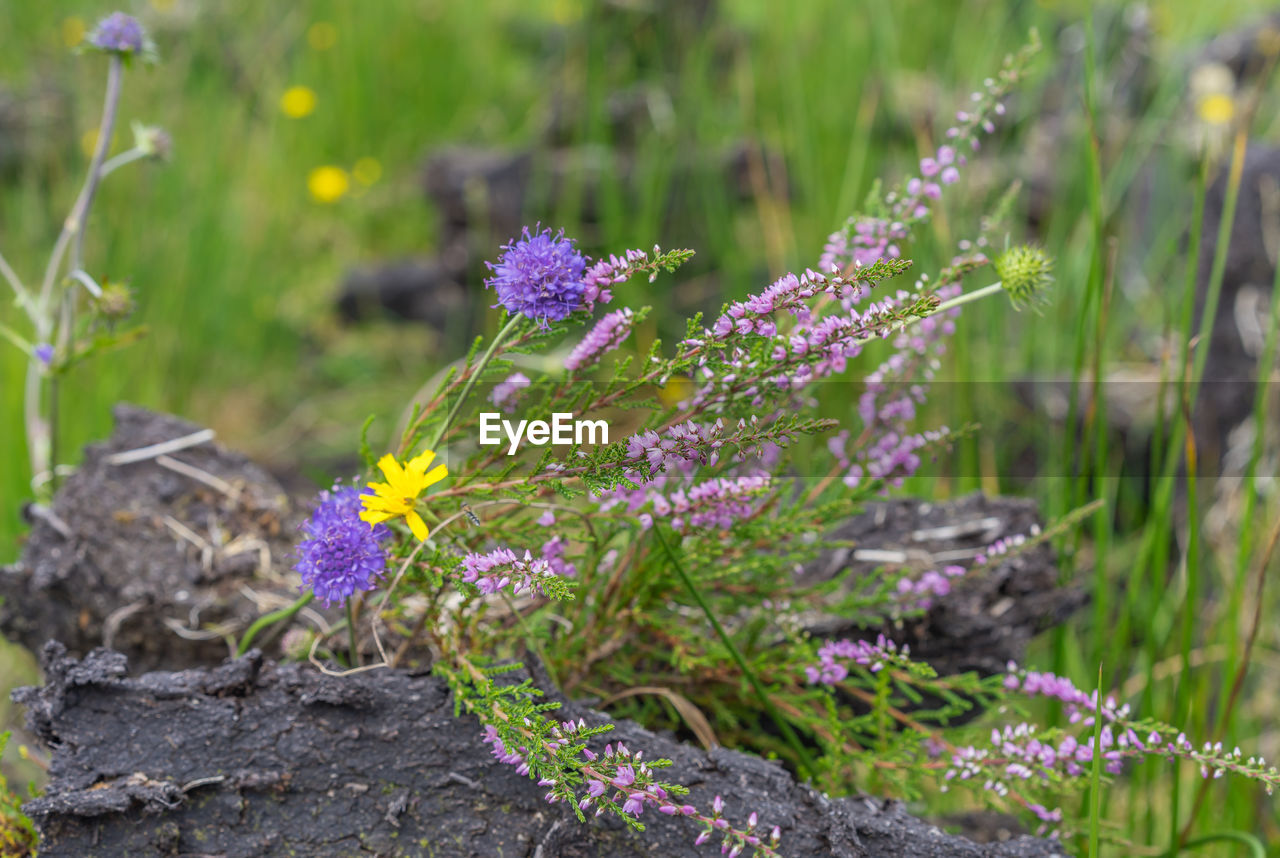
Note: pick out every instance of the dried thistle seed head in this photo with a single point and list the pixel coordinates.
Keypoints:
(1026, 272)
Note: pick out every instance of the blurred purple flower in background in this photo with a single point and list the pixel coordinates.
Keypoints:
(120, 33)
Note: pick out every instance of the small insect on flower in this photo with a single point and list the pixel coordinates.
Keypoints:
(396, 497)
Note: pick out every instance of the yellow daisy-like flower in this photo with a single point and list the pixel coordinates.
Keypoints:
(328, 184)
(1217, 109)
(298, 101)
(395, 498)
(322, 35)
(72, 31)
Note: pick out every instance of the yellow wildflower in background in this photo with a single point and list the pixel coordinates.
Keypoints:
(72, 31)
(298, 101)
(89, 142)
(367, 171)
(1217, 109)
(328, 184)
(322, 35)
(675, 391)
(395, 498)
(565, 12)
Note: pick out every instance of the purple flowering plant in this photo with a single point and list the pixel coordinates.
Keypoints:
(68, 315)
(669, 556)
(340, 555)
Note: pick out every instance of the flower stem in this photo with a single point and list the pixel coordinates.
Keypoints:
(271, 619)
(20, 292)
(967, 297)
(1252, 843)
(949, 304)
(511, 325)
(783, 725)
(118, 161)
(353, 657)
(41, 427)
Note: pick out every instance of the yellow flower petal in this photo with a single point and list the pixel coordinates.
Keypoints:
(390, 506)
(438, 473)
(373, 516)
(420, 462)
(396, 477)
(417, 525)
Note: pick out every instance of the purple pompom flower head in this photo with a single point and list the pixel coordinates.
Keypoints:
(340, 553)
(120, 34)
(539, 276)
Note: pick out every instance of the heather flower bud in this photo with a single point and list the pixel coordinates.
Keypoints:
(1025, 272)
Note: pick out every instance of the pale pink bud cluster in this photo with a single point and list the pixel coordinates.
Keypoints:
(609, 272)
(502, 567)
(791, 293)
(834, 658)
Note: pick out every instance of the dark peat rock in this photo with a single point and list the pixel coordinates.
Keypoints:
(987, 619)
(256, 760)
(154, 557)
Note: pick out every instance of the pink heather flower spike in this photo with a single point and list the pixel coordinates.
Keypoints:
(506, 393)
(607, 335)
(501, 567)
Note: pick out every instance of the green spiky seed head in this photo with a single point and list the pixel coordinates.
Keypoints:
(1026, 272)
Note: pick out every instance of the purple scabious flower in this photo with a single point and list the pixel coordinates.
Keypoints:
(340, 553)
(44, 353)
(119, 33)
(539, 276)
(607, 335)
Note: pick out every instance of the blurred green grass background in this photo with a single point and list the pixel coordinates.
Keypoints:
(235, 266)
